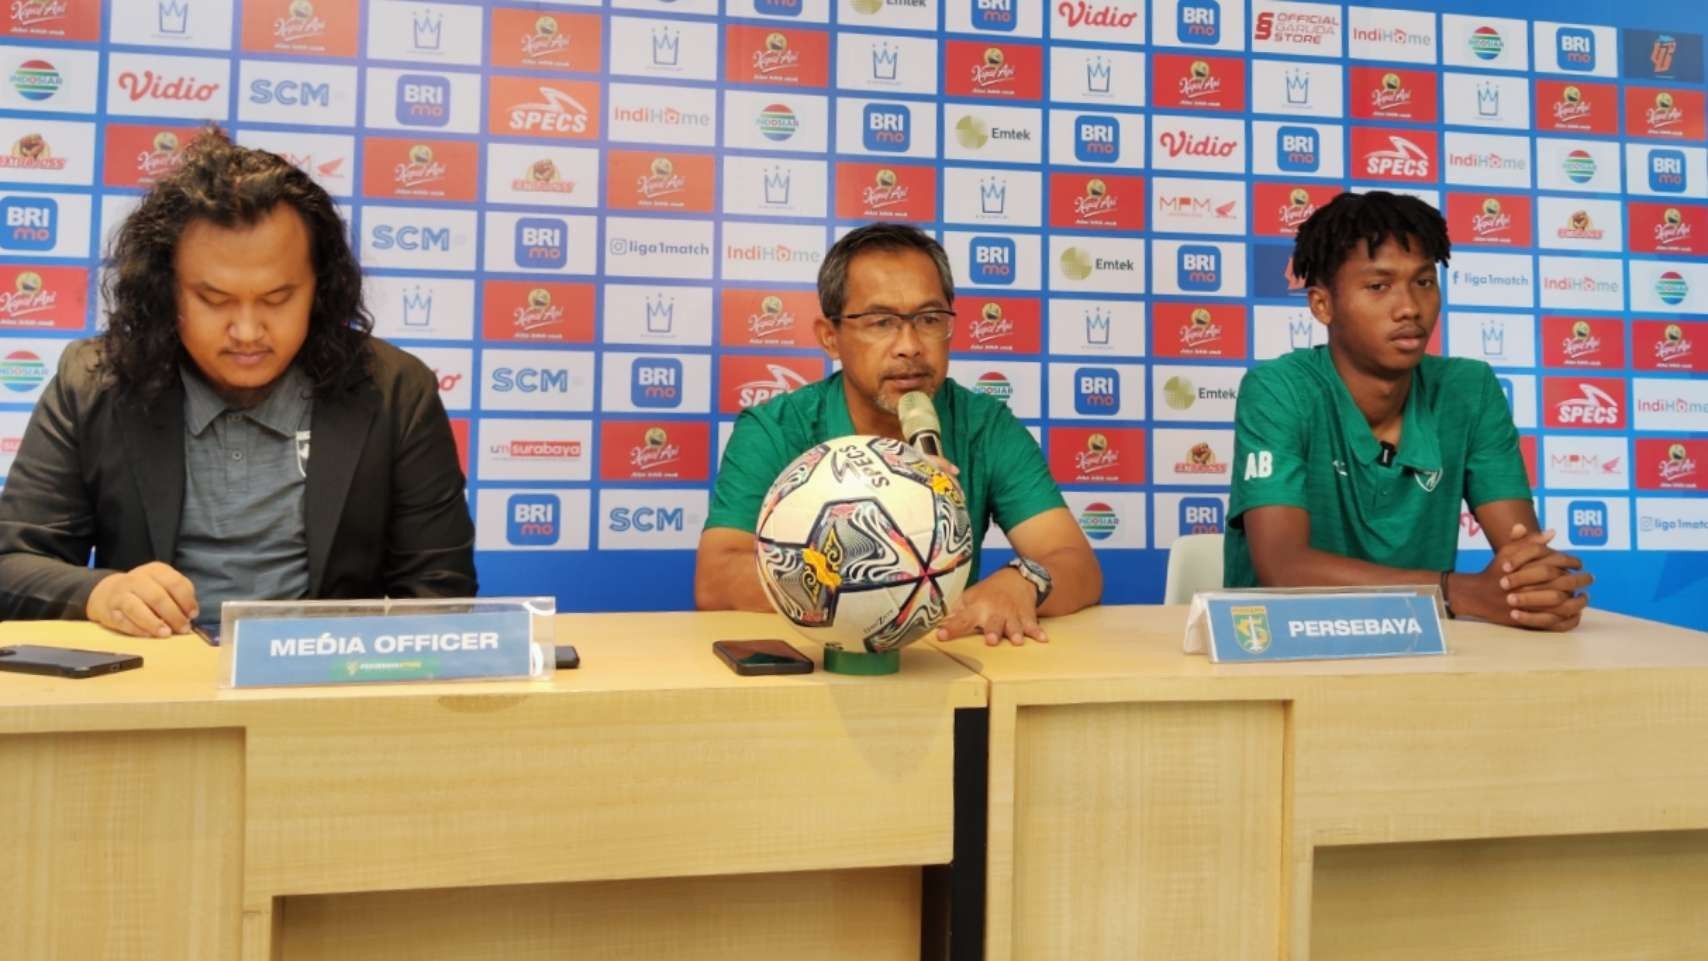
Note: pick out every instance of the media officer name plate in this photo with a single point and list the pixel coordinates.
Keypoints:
(289, 643)
(1242, 626)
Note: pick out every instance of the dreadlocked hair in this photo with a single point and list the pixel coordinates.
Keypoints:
(1328, 237)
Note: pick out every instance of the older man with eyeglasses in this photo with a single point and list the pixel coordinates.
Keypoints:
(887, 299)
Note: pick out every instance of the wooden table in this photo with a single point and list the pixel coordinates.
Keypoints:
(1528, 796)
(649, 805)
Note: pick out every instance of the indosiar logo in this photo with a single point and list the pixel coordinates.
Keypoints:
(1298, 150)
(542, 242)
(995, 15)
(992, 260)
(1575, 49)
(1200, 268)
(1201, 515)
(1097, 391)
(1199, 22)
(1666, 171)
(1096, 139)
(888, 127)
(656, 382)
(423, 100)
(533, 520)
(1588, 521)
(30, 223)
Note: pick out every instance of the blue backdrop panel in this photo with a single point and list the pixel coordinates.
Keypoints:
(600, 223)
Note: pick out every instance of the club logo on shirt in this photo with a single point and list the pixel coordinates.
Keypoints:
(302, 438)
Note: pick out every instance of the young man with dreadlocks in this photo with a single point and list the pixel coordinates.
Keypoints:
(175, 448)
(1351, 460)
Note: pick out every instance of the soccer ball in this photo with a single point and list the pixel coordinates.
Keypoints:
(864, 544)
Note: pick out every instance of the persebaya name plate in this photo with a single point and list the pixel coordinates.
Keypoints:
(354, 648)
(1297, 627)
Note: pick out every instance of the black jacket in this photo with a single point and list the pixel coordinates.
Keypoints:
(384, 509)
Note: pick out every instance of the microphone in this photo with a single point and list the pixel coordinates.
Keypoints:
(919, 424)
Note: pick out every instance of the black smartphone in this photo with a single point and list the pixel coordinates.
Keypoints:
(765, 656)
(568, 659)
(64, 661)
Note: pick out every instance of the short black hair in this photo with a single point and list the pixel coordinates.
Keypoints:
(230, 187)
(1327, 238)
(833, 273)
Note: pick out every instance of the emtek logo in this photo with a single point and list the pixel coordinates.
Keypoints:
(1097, 139)
(656, 382)
(411, 237)
(1588, 522)
(1666, 171)
(1200, 21)
(290, 93)
(887, 127)
(645, 519)
(531, 520)
(1097, 391)
(423, 100)
(31, 223)
(541, 242)
(1201, 515)
(994, 15)
(1200, 268)
(1297, 150)
(1576, 49)
(993, 260)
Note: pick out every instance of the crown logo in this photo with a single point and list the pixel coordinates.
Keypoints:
(777, 186)
(1097, 326)
(666, 46)
(174, 16)
(993, 195)
(417, 307)
(884, 62)
(660, 314)
(1097, 75)
(1494, 339)
(428, 29)
(1300, 332)
(1488, 100)
(1298, 87)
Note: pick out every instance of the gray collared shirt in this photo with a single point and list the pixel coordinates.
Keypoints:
(242, 535)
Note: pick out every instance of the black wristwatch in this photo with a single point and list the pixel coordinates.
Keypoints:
(1035, 574)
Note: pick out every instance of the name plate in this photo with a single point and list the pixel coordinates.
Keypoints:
(1298, 627)
(355, 649)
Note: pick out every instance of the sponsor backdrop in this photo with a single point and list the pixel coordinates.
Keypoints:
(600, 224)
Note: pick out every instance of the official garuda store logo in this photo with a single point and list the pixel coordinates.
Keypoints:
(1251, 628)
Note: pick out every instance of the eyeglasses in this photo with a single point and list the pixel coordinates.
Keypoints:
(930, 324)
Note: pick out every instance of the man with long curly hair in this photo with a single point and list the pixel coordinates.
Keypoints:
(236, 433)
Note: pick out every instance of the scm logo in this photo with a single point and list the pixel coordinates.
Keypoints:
(411, 237)
(646, 520)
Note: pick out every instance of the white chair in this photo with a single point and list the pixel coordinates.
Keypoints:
(1194, 564)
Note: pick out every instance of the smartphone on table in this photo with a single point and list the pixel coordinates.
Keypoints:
(64, 661)
(762, 656)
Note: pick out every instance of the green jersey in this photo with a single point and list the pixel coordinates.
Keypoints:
(1300, 441)
(1002, 470)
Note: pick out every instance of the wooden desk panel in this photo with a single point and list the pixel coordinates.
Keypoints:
(1149, 804)
(650, 765)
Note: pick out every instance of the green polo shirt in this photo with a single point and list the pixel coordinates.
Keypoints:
(1300, 441)
(1002, 470)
